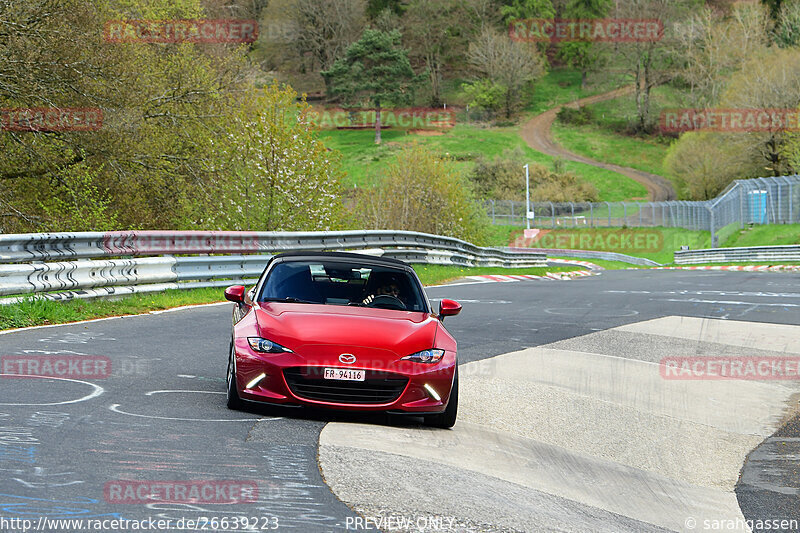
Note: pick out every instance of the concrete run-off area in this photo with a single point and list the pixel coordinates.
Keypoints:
(579, 435)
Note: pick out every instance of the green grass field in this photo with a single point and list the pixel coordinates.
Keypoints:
(33, 312)
(618, 114)
(642, 153)
(605, 138)
(772, 235)
(559, 86)
(363, 160)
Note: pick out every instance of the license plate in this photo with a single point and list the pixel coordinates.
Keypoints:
(344, 374)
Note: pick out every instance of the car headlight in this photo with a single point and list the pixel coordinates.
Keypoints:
(257, 344)
(426, 356)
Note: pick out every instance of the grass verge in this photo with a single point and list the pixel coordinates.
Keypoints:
(771, 235)
(608, 265)
(33, 312)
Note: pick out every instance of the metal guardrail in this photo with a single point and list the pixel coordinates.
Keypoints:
(58, 246)
(26, 265)
(592, 254)
(769, 254)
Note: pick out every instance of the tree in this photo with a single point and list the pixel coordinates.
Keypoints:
(774, 7)
(527, 9)
(481, 16)
(510, 64)
(281, 177)
(485, 94)
(376, 7)
(182, 131)
(771, 82)
(653, 62)
(704, 163)
(787, 30)
(501, 179)
(319, 29)
(163, 106)
(711, 47)
(583, 55)
(434, 32)
(375, 70)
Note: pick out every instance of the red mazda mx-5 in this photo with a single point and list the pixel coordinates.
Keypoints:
(343, 331)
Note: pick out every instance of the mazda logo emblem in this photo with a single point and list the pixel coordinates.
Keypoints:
(347, 358)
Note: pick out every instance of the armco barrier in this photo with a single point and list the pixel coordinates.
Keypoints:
(83, 274)
(768, 254)
(59, 246)
(27, 263)
(593, 254)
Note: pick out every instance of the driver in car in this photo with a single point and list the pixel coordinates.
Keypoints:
(389, 289)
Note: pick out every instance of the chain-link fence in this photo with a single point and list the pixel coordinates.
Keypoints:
(753, 201)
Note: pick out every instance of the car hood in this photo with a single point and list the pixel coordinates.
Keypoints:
(330, 328)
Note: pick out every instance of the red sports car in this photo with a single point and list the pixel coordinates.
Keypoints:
(343, 331)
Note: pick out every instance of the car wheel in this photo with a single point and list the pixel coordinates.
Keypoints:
(447, 419)
(234, 402)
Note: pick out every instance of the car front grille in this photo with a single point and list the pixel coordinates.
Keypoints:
(377, 388)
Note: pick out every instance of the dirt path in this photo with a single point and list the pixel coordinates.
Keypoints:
(537, 134)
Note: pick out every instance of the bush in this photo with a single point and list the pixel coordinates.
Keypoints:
(576, 117)
(421, 191)
(550, 186)
(504, 179)
(704, 163)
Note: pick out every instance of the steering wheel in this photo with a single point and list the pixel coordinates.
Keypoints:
(386, 301)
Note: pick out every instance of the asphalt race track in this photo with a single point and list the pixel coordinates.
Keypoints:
(565, 421)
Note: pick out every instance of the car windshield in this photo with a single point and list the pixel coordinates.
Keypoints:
(343, 283)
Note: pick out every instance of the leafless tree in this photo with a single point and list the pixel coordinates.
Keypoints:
(768, 83)
(321, 29)
(711, 46)
(512, 64)
(650, 62)
(434, 32)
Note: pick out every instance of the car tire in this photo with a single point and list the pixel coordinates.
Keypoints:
(447, 419)
(234, 402)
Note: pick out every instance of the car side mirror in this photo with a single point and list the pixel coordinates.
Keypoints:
(235, 294)
(448, 308)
